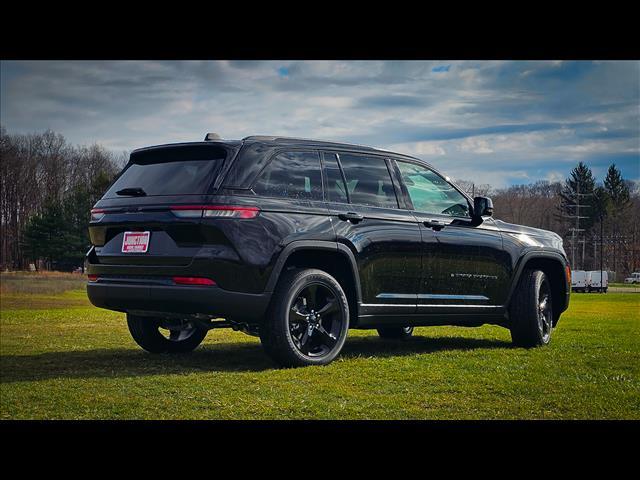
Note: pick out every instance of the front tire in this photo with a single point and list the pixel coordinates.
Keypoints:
(531, 310)
(308, 320)
(157, 337)
(395, 333)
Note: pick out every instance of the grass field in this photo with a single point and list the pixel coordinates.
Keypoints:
(630, 287)
(62, 358)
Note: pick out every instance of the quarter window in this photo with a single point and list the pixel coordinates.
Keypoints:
(430, 193)
(368, 181)
(292, 175)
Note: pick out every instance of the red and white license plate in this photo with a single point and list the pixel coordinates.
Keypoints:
(135, 242)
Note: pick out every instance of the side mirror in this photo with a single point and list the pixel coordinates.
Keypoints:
(482, 207)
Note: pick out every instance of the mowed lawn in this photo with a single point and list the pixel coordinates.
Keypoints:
(62, 358)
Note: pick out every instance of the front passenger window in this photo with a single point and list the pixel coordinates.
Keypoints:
(430, 193)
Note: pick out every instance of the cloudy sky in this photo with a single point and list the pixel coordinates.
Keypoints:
(492, 122)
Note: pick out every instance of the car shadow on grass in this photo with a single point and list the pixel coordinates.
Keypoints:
(373, 346)
(220, 357)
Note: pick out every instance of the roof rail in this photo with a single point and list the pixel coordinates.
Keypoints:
(267, 138)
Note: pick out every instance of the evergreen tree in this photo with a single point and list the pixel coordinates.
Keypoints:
(45, 235)
(601, 204)
(578, 189)
(580, 182)
(618, 204)
(60, 234)
(76, 207)
(617, 190)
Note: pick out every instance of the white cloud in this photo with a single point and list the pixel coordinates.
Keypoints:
(419, 149)
(475, 145)
(554, 176)
(402, 106)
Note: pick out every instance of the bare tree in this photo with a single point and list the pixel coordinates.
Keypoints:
(37, 169)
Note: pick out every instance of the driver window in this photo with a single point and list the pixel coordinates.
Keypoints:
(430, 193)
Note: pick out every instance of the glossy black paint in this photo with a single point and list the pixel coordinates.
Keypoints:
(406, 266)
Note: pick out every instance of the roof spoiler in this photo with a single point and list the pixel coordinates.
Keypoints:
(210, 137)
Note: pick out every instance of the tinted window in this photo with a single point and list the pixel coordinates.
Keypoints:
(171, 171)
(368, 181)
(293, 175)
(336, 189)
(431, 193)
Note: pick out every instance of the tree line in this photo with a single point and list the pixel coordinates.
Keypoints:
(47, 187)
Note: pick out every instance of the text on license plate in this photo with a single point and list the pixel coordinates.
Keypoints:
(135, 242)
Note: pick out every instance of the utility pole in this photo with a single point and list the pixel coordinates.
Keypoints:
(601, 242)
(576, 230)
(601, 218)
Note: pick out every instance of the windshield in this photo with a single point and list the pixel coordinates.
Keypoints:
(186, 171)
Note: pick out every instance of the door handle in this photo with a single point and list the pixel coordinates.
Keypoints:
(435, 224)
(351, 216)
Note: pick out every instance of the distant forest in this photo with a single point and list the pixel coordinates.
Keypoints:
(48, 186)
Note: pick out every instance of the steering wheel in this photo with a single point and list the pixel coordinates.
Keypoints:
(457, 210)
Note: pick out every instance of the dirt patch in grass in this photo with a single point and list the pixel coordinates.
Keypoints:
(68, 299)
(40, 283)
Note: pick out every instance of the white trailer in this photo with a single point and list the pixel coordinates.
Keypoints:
(578, 280)
(595, 283)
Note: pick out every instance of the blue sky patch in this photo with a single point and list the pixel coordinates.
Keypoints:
(283, 71)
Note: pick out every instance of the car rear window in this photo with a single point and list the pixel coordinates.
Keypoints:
(170, 171)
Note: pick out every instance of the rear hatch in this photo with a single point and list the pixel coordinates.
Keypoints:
(158, 192)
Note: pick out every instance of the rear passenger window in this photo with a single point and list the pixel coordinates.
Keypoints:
(292, 175)
(368, 181)
(336, 189)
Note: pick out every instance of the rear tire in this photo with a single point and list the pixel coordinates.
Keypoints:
(307, 321)
(531, 310)
(146, 331)
(395, 333)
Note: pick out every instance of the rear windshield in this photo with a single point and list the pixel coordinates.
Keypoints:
(171, 171)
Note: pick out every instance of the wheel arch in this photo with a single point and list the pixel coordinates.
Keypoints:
(554, 265)
(334, 258)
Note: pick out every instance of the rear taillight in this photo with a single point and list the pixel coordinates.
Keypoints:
(97, 214)
(193, 281)
(210, 211)
(92, 277)
(235, 212)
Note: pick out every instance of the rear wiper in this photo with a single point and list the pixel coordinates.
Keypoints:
(133, 192)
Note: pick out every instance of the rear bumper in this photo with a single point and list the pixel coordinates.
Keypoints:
(122, 297)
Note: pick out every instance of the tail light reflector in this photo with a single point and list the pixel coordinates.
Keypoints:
(92, 277)
(210, 211)
(193, 281)
(97, 214)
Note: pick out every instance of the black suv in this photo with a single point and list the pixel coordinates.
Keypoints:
(297, 241)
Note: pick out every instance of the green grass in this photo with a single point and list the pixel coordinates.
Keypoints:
(62, 358)
(625, 285)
